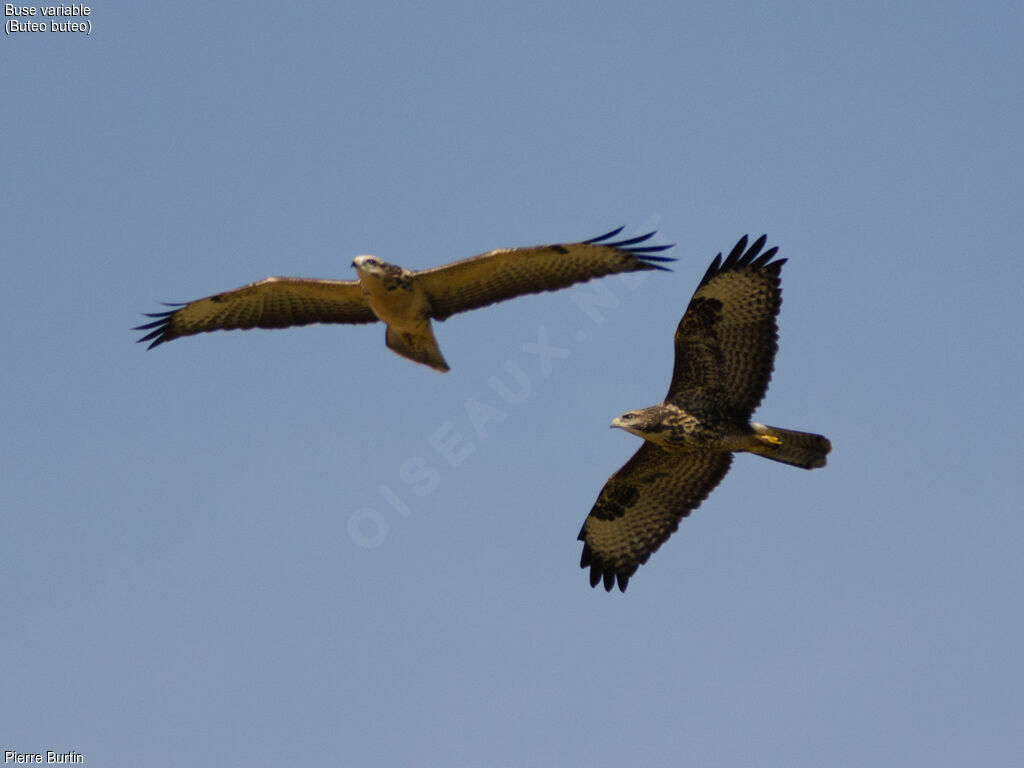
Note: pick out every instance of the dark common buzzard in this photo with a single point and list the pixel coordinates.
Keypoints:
(406, 300)
(725, 349)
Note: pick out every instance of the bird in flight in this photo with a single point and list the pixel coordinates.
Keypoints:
(725, 349)
(406, 301)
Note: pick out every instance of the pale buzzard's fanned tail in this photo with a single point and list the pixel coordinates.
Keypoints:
(419, 345)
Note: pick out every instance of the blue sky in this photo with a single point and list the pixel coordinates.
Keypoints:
(211, 551)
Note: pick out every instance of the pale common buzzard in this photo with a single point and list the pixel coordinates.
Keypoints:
(406, 300)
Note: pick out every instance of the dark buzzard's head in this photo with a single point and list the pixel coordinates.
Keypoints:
(648, 423)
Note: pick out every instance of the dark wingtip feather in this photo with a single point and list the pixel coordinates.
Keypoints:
(649, 257)
(600, 572)
(633, 240)
(585, 556)
(742, 256)
(625, 244)
(712, 270)
(765, 257)
(646, 249)
(605, 236)
(646, 255)
(735, 253)
(159, 336)
(757, 246)
(632, 246)
(161, 320)
(158, 328)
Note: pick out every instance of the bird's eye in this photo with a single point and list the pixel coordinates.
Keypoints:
(627, 417)
(372, 262)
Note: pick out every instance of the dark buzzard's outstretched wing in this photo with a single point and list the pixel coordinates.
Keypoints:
(726, 342)
(277, 302)
(508, 272)
(640, 507)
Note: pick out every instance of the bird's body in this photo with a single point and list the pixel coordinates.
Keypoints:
(705, 427)
(698, 427)
(725, 349)
(407, 301)
(400, 302)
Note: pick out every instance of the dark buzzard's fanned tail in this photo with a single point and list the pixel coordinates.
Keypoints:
(800, 449)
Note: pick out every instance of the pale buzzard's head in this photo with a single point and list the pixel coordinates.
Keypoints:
(371, 265)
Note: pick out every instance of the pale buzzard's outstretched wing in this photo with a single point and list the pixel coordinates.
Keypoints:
(277, 302)
(726, 342)
(640, 507)
(509, 272)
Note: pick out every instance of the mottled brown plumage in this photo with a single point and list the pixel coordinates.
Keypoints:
(725, 349)
(406, 300)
